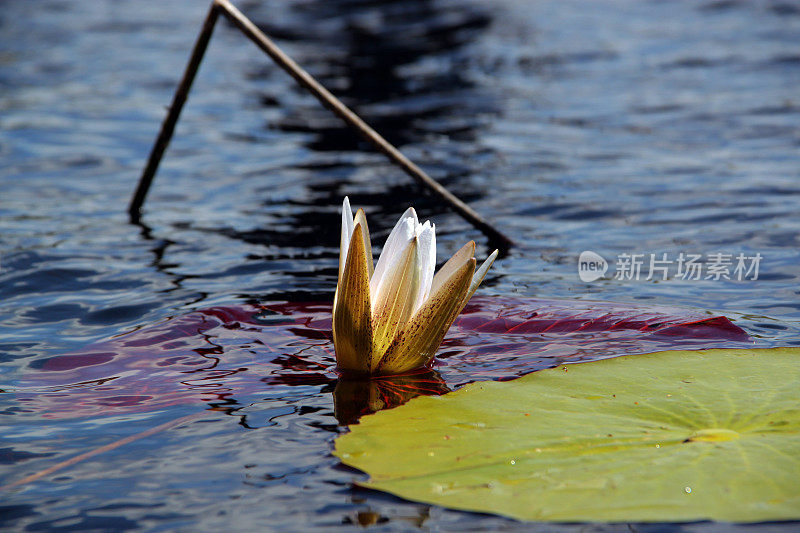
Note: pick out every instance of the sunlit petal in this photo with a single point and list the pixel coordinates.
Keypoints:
(417, 343)
(464, 254)
(395, 243)
(347, 232)
(394, 302)
(426, 249)
(479, 275)
(352, 318)
(362, 219)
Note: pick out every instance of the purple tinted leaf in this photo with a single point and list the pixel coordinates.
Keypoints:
(218, 354)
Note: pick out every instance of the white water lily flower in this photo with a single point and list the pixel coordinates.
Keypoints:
(394, 318)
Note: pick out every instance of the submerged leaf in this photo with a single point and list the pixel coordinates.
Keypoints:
(671, 436)
(220, 353)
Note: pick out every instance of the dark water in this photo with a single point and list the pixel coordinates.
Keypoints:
(617, 127)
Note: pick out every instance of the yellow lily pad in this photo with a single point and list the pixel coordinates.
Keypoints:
(665, 437)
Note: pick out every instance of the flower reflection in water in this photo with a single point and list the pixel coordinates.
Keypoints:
(355, 397)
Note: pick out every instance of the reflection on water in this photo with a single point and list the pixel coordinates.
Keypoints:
(354, 398)
(367, 48)
(640, 127)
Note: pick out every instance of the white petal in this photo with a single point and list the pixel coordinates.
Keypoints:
(410, 213)
(394, 302)
(464, 254)
(403, 231)
(416, 343)
(426, 248)
(479, 275)
(347, 233)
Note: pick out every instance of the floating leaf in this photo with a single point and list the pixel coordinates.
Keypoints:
(671, 436)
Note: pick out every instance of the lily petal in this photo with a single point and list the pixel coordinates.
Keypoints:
(416, 345)
(352, 318)
(395, 243)
(394, 303)
(426, 249)
(464, 254)
(347, 232)
(478, 277)
(361, 218)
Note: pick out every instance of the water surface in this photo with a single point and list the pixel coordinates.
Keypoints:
(618, 127)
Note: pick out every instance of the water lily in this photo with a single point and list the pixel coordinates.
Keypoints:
(393, 317)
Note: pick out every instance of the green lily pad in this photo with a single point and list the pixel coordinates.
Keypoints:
(665, 437)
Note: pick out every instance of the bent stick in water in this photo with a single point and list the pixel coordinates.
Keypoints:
(314, 87)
